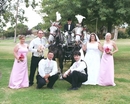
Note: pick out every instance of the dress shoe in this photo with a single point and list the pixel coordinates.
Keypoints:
(37, 87)
(49, 87)
(79, 85)
(30, 85)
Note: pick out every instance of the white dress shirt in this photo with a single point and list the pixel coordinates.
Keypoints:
(35, 43)
(68, 27)
(47, 66)
(77, 66)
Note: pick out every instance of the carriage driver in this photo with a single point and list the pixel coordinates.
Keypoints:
(68, 27)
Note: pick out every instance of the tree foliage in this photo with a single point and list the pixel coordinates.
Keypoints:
(21, 29)
(38, 27)
(8, 14)
(108, 12)
(128, 30)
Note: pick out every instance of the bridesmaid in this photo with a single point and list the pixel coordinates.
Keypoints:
(106, 73)
(19, 74)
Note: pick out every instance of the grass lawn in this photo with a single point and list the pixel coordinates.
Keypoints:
(119, 94)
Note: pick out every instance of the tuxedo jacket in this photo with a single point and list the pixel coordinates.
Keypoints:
(72, 26)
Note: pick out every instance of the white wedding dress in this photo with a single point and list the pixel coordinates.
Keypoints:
(92, 58)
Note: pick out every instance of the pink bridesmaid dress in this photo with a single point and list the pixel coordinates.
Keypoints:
(19, 74)
(106, 73)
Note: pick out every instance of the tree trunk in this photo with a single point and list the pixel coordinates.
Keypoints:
(115, 33)
(15, 31)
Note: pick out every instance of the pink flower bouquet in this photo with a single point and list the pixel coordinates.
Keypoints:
(107, 50)
(21, 57)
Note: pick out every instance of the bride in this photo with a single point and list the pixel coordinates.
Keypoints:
(93, 54)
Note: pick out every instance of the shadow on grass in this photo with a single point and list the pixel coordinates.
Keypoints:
(122, 80)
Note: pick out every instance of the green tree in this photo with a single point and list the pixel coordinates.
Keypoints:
(13, 13)
(108, 12)
(9, 32)
(39, 26)
(128, 31)
(21, 29)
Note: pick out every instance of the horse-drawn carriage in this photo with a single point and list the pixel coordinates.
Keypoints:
(63, 50)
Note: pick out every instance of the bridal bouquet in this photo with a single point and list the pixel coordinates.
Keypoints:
(21, 57)
(107, 50)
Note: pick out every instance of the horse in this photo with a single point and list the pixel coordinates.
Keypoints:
(55, 45)
(58, 53)
(54, 31)
(69, 36)
(81, 37)
(81, 33)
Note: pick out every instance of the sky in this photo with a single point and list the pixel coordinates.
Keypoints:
(33, 17)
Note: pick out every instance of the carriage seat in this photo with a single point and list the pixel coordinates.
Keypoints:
(71, 44)
(68, 52)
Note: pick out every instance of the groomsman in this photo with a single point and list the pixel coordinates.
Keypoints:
(77, 73)
(37, 47)
(48, 72)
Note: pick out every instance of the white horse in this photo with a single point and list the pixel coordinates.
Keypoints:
(54, 31)
(80, 34)
(69, 37)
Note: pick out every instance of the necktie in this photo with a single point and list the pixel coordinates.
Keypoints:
(41, 41)
(76, 64)
(49, 63)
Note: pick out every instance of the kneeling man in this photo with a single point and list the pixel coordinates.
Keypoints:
(47, 72)
(77, 73)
